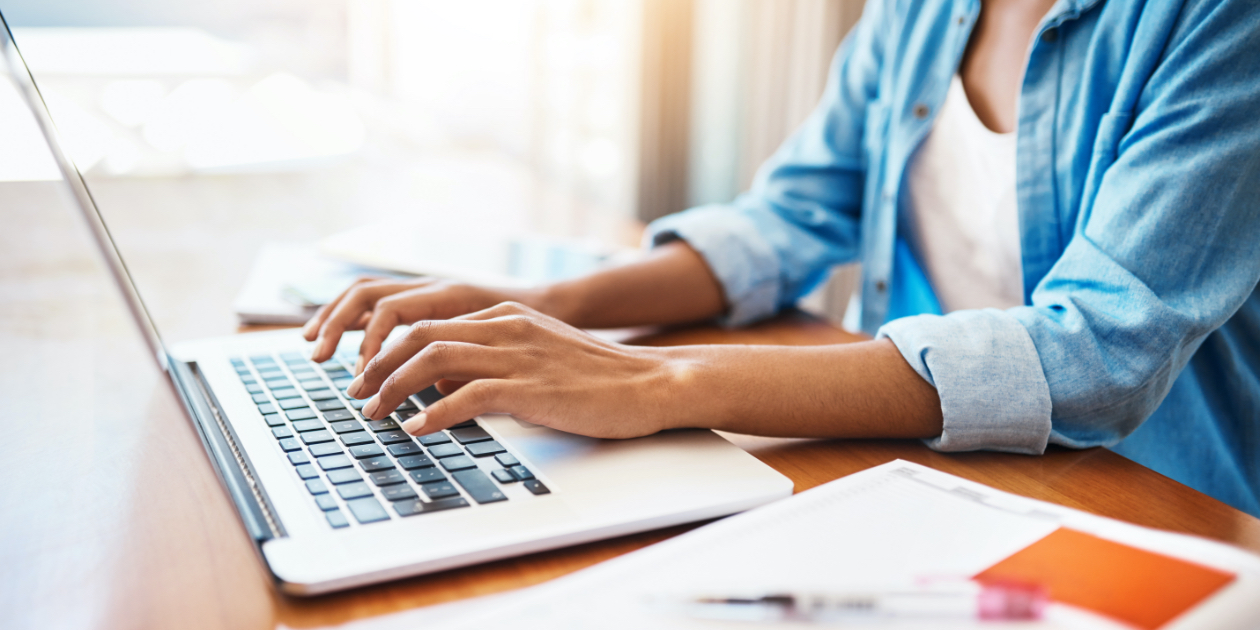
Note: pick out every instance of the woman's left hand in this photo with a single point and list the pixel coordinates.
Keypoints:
(512, 359)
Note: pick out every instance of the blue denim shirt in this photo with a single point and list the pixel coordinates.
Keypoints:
(1138, 179)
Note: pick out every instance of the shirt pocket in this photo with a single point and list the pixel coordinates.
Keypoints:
(1111, 130)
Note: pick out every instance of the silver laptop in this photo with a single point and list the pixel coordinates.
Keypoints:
(333, 501)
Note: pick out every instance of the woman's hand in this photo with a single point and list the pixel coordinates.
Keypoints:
(512, 359)
(378, 305)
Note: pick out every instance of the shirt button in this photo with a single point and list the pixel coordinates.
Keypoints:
(1050, 36)
(881, 286)
(920, 111)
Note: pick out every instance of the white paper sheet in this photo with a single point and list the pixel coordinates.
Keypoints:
(887, 525)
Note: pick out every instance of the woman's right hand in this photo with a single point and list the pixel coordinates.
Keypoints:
(377, 306)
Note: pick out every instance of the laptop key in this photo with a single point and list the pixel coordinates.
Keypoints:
(445, 450)
(521, 472)
(537, 487)
(398, 493)
(426, 475)
(357, 404)
(322, 394)
(357, 438)
(507, 460)
(405, 448)
(414, 507)
(292, 357)
(412, 462)
(298, 458)
(333, 462)
(362, 451)
(373, 464)
(406, 414)
(312, 384)
(346, 426)
(479, 486)
(468, 435)
(485, 449)
(290, 444)
(325, 502)
(254, 388)
(343, 475)
(336, 519)
(465, 424)
(274, 420)
(316, 486)
(331, 404)
(293, 403)
(436, 438)
(343, 382)
(304, 413)
(439, 490)
(282, 432)
(327, 448)
(270, 373)
(387, 477)
(501, 475)
(367, 510)
(393, 437)
(277, 383)
(302, 426)
(340, 414)
(382, 425)
(316, 437)
(266, 408)
(459, 462)
(307, 471)
(285, 393)
(260, 399)
(354, 490)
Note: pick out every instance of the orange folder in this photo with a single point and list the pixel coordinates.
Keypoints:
(1138, 587)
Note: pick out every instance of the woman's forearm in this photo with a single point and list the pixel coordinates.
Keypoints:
(861, 389)
(671, 285)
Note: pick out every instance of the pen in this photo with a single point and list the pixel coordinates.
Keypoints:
(990, 602)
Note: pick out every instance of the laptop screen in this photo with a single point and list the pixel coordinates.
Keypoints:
(18, 85)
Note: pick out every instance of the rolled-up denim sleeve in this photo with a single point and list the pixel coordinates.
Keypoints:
(985, 368)
(801, 217)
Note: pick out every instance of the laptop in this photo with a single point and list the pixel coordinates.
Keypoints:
(333, 501)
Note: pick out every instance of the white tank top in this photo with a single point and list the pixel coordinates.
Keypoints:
(964, 222)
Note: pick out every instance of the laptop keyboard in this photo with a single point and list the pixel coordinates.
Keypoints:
(370, 471)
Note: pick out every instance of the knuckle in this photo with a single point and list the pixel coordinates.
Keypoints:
(421, 329)
(437, 353)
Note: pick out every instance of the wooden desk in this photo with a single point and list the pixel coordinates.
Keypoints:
(111, 516)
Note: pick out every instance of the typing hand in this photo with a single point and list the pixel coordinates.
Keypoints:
(512, 359)
(378, 305)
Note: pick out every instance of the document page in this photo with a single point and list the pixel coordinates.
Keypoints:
(884, 528)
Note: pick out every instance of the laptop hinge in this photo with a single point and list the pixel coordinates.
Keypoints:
(225, 453)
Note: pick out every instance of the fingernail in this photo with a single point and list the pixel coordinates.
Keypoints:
(370, 408)
(353, 390)
(415, 425)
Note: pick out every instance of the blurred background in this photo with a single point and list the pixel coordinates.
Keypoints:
(209, 130)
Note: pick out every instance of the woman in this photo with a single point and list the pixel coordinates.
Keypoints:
(1073, 184)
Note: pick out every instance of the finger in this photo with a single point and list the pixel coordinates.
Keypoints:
(357, 301)
(439, 360)
(422, 334)
(446, 387)
(390, 312)
(470, 401)
(311, 330)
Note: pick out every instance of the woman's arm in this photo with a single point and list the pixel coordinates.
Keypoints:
(670, 285)
(512, 359)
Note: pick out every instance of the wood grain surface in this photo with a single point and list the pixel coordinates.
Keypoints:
(113, 518)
